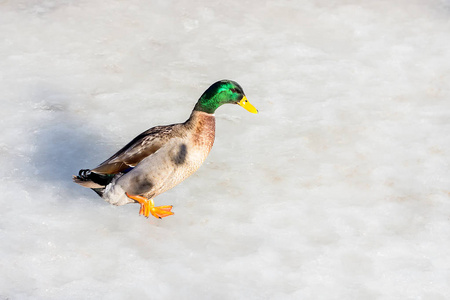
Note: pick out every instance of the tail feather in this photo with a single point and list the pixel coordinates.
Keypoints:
(93, 180)
(86, 183)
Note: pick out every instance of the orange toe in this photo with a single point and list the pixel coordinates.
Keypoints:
(161, 211)
(148, 207)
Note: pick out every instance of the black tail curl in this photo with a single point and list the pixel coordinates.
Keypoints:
(101, 179)
(84, 174)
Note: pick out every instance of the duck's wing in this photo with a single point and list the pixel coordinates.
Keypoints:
(135, 151)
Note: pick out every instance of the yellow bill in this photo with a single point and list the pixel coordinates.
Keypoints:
(247, 105)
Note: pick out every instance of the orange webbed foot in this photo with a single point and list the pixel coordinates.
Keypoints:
(148, 207)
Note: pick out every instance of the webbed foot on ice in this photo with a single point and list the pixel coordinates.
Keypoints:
(148, 207)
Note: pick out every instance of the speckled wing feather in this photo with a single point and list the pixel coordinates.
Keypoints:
(135, 151)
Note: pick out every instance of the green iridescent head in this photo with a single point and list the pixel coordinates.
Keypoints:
(222, 92)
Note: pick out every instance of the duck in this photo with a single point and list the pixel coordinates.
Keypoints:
(161, 157)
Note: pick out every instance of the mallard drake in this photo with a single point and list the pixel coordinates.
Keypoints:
(163, 156)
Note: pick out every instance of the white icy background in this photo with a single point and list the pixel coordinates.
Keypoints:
(338, 189)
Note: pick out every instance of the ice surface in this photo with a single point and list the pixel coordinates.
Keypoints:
(338, 189)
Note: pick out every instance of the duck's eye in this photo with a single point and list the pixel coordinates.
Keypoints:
(234, 90)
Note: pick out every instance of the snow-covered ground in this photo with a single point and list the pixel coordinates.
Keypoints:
(338, 189)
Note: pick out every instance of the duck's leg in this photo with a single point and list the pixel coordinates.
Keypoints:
(148, 207)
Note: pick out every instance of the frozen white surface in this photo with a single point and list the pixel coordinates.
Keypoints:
(338, 189)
